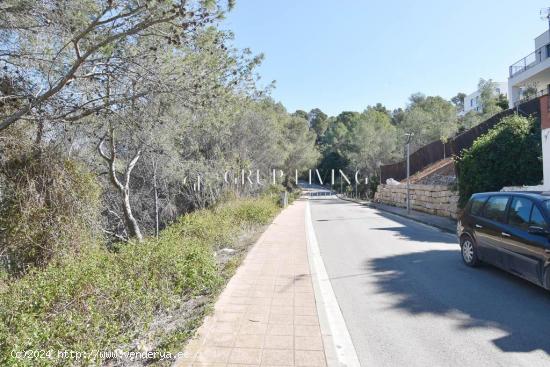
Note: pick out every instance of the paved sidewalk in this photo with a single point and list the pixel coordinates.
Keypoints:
(267, 315)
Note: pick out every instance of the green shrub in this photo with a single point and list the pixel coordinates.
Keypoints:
(507, 155)
(250, 211)
(102, 300)
(50, 208)
(275, 192)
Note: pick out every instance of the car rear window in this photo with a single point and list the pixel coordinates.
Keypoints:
(477, 204)
(495, 208)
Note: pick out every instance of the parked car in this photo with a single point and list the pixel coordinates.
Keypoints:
(509, 230)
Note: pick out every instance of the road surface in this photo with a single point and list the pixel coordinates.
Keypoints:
(408, 300)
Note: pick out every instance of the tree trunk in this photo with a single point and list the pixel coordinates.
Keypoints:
(123, 188)
(131, 222)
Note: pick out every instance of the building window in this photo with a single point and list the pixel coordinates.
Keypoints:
(472, 102)
(497, 90)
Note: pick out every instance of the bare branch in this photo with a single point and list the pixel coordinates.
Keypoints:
(77, 50)
(100, 150)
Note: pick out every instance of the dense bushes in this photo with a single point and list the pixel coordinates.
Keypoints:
(508, 155)
(102, 300)
(49, 208)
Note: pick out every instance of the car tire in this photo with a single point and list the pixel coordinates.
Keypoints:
(468, 250)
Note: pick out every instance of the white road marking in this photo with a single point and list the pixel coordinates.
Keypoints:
(339, 348)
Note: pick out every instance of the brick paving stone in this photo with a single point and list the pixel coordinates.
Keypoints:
(267, 315)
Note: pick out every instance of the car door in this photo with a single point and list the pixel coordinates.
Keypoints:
(540, 240)
(488, 228)
(521, 248)
(472, 214)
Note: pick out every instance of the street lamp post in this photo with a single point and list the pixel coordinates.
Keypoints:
(409, 136)
(356, 196)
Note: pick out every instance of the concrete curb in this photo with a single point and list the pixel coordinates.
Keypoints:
(362, 202)
(372, 205)
(419, 220)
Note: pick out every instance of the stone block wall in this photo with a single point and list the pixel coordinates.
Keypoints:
(434, 199)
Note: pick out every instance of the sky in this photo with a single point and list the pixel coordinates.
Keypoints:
(348, 54)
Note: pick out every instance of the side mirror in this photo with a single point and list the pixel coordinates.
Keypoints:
(538, 231)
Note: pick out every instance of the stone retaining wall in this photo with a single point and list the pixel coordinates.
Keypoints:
(434, 199)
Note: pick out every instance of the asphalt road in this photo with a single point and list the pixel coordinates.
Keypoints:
(408, 300)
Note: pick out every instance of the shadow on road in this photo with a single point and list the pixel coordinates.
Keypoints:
(328, 201)
(436, 282)
(413, 234)
(341, 218)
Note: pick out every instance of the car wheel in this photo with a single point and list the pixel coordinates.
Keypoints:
(469, 251)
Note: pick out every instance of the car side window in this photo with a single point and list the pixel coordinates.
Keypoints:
(518, 214)
(477, 205)
(495, 208)
(537, 220)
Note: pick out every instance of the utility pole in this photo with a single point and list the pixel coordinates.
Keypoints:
(356, 196)
(409, 136)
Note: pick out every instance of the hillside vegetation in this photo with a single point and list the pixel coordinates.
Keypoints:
(510, 154)
(102, 300)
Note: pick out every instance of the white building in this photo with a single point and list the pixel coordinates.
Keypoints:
(472, 102)
(530, 76)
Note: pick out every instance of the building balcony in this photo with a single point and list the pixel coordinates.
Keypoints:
(530, 60)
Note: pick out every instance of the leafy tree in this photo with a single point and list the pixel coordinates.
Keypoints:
(318, 121)
(380, 108)
(491, 104)
(145, 126)
(470, 119)
(154, 85)
(458, 101)
(397, 116)
(502, 102)
(331, 160)
(348, 118)
(429, 119)
(488, 98)
(299, 144)
(301, 114)
(73, 59)
(359, 141)
(335, 138)
(372, 141)
(417, 98)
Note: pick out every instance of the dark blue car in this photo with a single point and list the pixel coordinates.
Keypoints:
(509, 230)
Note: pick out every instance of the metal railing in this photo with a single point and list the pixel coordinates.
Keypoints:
(534, 58)
(530, 96)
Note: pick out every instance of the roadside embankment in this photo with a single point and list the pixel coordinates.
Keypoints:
(137, 297)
